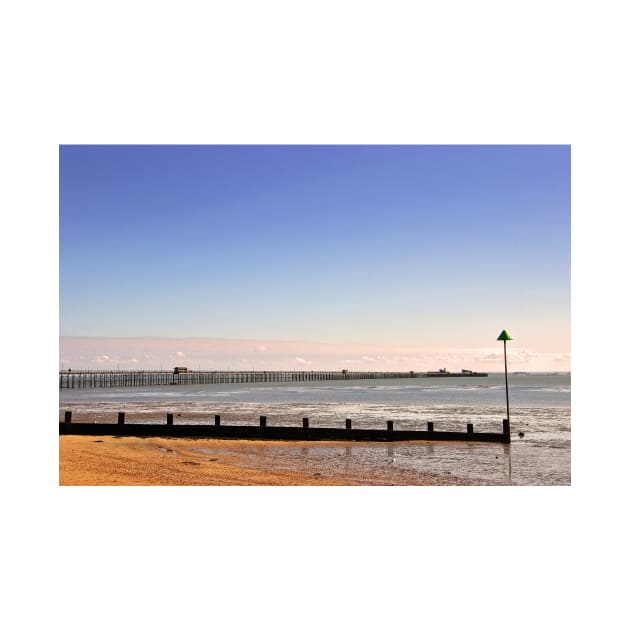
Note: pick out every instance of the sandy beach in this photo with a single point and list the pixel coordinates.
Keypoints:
(132, 461)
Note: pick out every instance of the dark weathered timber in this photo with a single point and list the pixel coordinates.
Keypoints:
(265, 432)
(88, 379)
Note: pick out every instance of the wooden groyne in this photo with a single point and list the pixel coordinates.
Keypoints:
(263, 431)
(71, 379)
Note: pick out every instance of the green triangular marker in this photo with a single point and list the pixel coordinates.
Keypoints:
(504, 336)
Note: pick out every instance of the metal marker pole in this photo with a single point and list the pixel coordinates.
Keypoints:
(507, 396)
(505, 337)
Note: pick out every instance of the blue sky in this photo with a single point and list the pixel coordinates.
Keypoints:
(420, 246)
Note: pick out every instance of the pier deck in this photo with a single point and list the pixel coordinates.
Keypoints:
(83, 379)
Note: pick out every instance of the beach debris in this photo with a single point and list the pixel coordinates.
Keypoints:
(521, 434)
(190, 463)
(97, 440)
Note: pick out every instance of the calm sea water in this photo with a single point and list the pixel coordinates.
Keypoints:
(540, 409)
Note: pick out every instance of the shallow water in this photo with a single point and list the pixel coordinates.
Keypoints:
(539, 409)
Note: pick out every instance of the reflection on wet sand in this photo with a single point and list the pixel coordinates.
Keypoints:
(397, 463)
(507, 457)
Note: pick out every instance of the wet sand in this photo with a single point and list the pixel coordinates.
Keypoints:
(132, 461)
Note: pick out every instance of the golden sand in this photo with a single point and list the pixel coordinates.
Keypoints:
(133, 461)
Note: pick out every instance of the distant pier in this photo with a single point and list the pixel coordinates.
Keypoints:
(71, 379)
(89, 379)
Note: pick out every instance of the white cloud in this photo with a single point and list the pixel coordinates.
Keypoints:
(562, 358)
(523, 356)
(515, 356)
(490, 357)
(103, 358)
(273, 355)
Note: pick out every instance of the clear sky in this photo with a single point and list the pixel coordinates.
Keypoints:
(399, 247)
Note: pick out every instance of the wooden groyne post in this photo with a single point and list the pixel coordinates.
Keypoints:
(304, 432)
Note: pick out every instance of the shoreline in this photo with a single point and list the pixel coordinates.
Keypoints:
(136, 461)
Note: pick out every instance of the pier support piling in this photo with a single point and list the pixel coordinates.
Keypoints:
(169, 418)
(390, 425)
(430, 427)
(263, 421)
(121, 417)
(348, 423)
(469, 428)
(67, 417)
(217, 421)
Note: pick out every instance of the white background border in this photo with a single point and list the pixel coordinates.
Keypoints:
(343, 72)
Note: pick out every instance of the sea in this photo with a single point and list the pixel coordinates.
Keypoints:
(540, 417)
